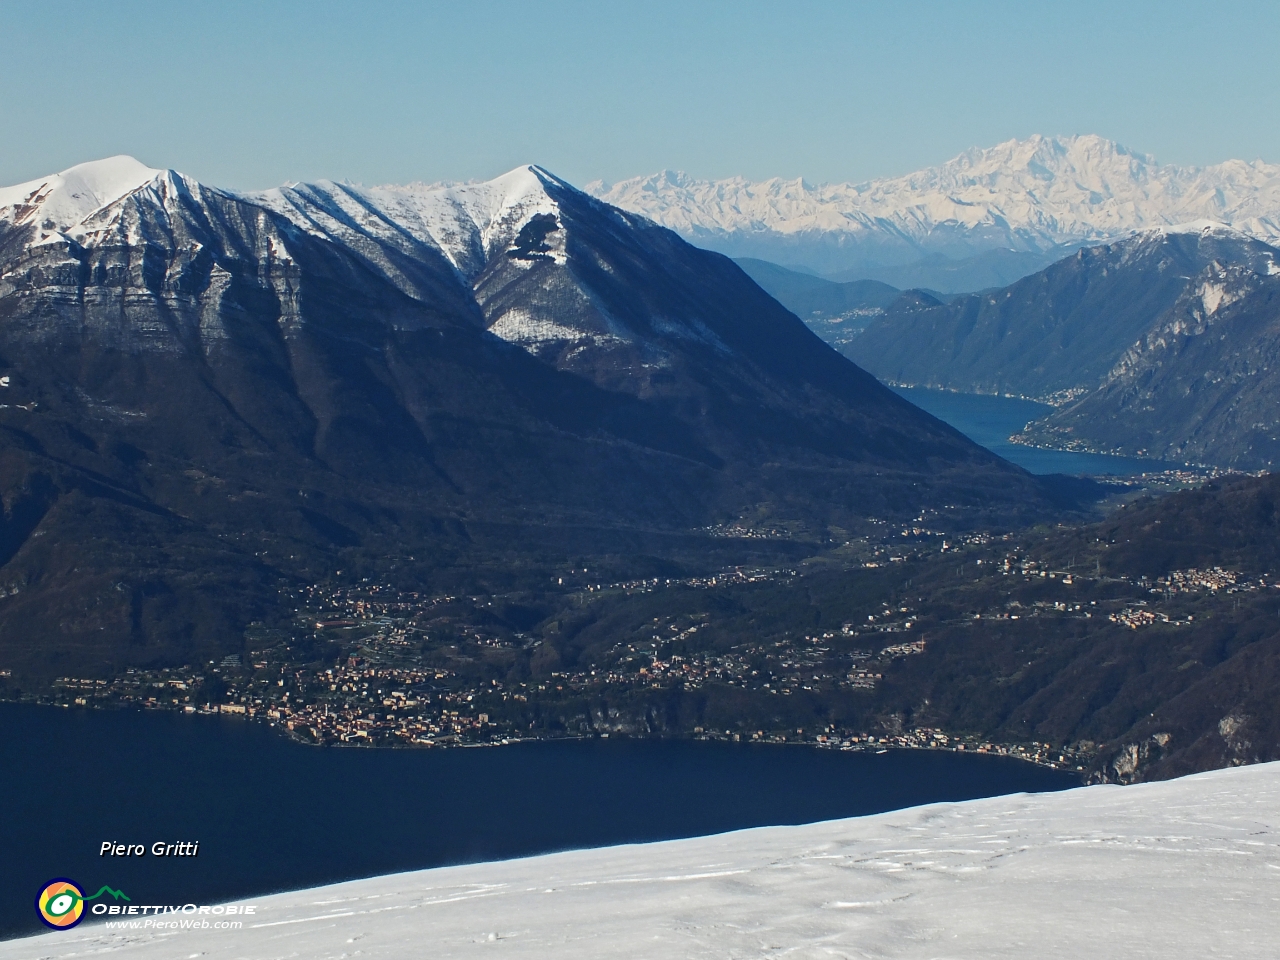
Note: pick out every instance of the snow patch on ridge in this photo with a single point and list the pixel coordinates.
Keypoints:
(454, 215)
(522, 327)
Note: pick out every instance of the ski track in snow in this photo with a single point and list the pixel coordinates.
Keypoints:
(1187, 868)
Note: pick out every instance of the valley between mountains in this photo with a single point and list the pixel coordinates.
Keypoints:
(479, 462)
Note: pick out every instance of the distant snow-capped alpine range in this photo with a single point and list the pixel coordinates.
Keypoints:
(983, 219)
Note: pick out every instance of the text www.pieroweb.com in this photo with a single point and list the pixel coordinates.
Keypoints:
(184, 923)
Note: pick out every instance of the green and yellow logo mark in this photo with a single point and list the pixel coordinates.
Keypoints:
(60, 902)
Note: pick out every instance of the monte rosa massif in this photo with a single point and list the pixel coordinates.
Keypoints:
(982, 219)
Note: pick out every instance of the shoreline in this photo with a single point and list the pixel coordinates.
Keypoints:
(922, 738)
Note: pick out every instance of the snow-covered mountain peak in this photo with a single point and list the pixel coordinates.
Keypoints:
(494, 209)
(1218, 242)
(468, 222)
(514, 189)
(1088, 155)
(64, 200)
(484, 200)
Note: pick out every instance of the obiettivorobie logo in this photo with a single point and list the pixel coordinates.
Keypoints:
(61, 905)
(60, 902)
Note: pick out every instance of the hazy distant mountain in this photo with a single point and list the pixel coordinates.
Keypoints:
(1062, 329)
(982, 271)
(837, 312)
(1203, 385)
(209, 395)
(1015, 206)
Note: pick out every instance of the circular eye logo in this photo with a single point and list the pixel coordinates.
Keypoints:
(60, 903)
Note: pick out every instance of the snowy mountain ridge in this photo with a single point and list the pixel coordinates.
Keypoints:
(467, 222)
(1029, 195)
(583, 286)
(1058, 331)
(395, 229)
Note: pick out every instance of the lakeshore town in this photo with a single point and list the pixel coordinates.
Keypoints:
(399, 668)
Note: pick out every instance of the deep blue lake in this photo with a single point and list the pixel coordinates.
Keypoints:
(990, 421)
(273, 815)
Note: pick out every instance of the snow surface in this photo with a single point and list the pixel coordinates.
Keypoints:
(1187, 868)
(69, 198)
(1032, 194)
(1200, 228)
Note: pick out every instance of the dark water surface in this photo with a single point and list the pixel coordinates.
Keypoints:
(273, 815)
(990, 421)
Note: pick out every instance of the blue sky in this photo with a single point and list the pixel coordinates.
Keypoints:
(249, 95)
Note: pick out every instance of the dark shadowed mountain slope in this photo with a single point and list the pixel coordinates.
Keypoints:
(1146, 645)
(1202, 386)
(1149, 641)
(207, 396)
(1176, 670)
(1062, 329)
(622, 303)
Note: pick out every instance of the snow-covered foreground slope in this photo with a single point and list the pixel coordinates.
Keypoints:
(1186, 868)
